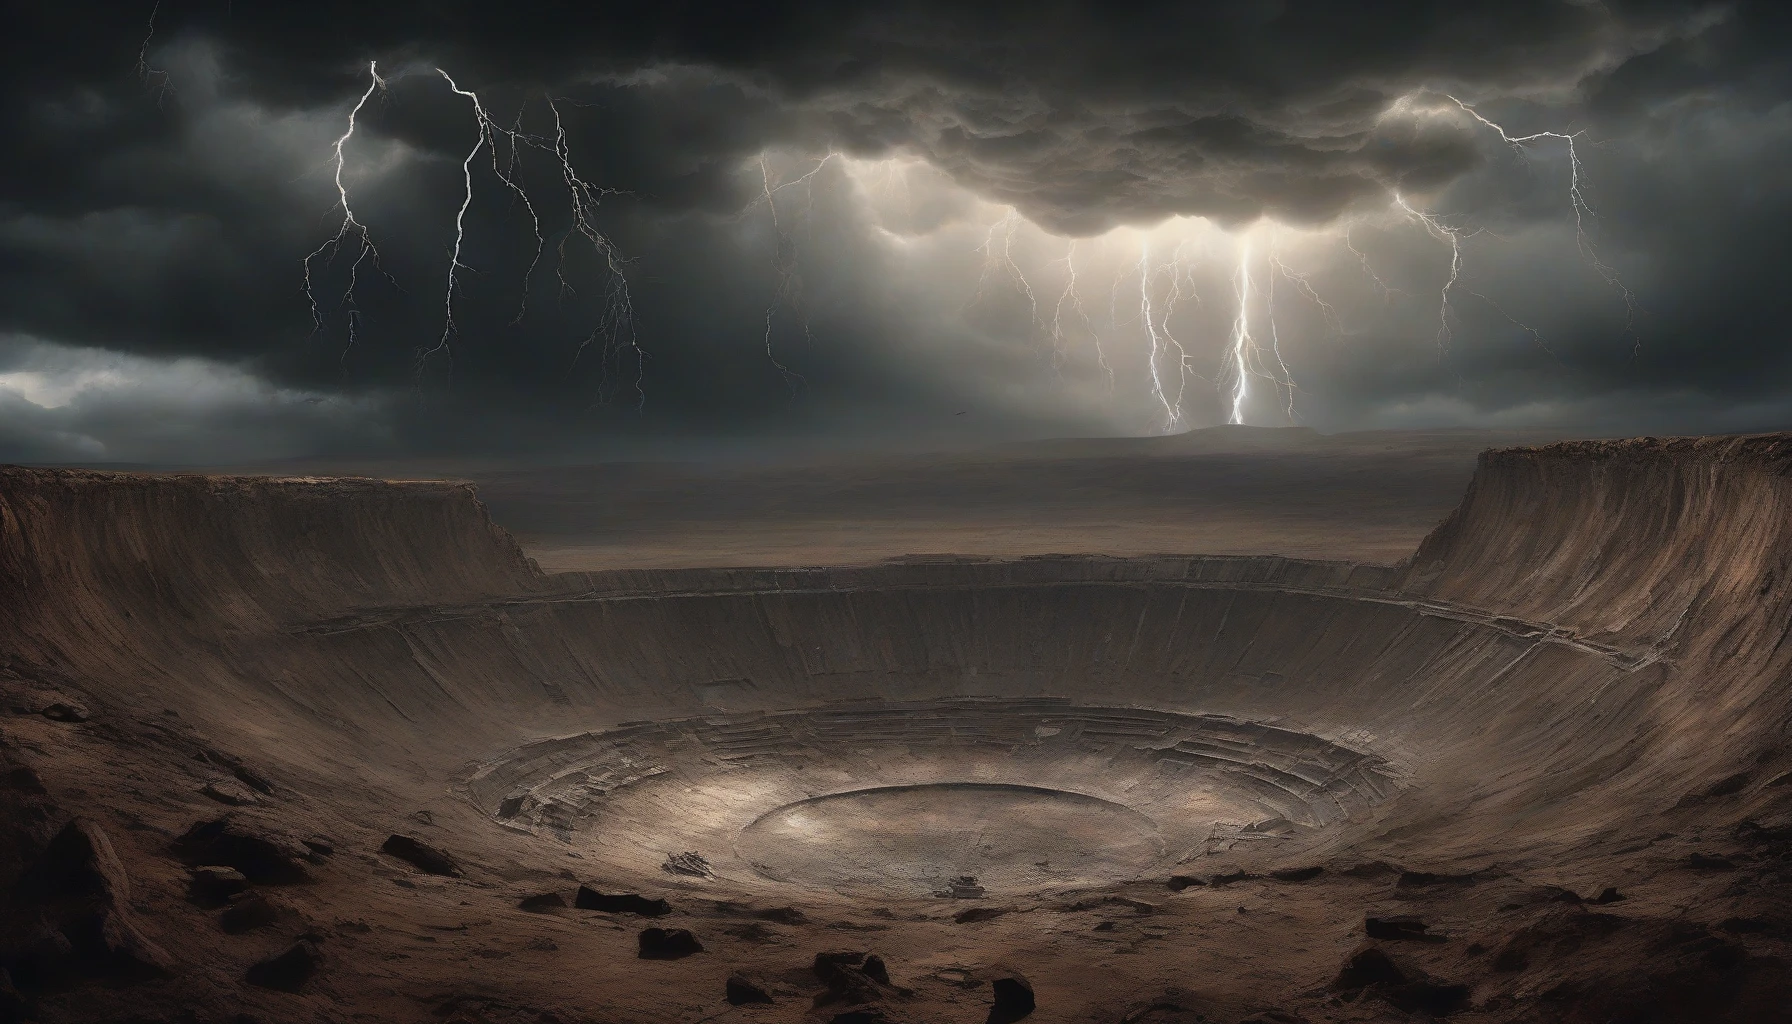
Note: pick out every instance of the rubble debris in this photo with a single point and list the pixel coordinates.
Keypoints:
(688, 863)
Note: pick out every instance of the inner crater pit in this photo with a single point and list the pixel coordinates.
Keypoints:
(922, 838)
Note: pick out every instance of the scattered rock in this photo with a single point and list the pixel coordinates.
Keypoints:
(541, 902)
(1561, 934)
(829, 964)
(1136, 906)
(1748, 926)
(687, 863)
(1178, 883)
(247, 912)
(1368, 966)
(1728, 786)
(228, 791)
(620, 903)
(21, 779)
(421, 856)
(964, 887)
(289, 970)
(251, 778)
(80, 862)
(1297, 874)
(1013, 999)
(668, 944)
(1427, 997)
(742, 992)
(215, 883)
(72, 913)
(1402, 928)
(975, 914)
(752, 931)
(1416, 879)
(264, 857)
(64, 710)
(851, 976)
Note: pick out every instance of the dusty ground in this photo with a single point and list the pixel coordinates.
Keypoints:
(1574, 693)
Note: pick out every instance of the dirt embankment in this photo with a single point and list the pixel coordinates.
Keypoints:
(91, 555)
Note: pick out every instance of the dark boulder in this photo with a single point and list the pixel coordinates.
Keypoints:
(65, 710)
(247, 912)
(1013, 999)
(742, 992)
(1297, 874)
(1427, 997)
(264, 856)
(1401, 929)
(72, 913)
(621, 903)
(421, 856)
(215, 883)
(1368, 966)
(668, 944)
(542, 902)
(288, 970)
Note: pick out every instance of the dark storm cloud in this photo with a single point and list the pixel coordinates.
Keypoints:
(170, 224)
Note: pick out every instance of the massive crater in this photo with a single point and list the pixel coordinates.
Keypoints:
(1574, 685)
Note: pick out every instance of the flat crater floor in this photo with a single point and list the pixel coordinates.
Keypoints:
(918, 839)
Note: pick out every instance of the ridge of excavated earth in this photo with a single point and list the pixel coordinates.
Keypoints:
(335, 749)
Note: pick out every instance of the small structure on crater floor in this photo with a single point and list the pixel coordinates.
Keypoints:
(694, 865)
(964, 887)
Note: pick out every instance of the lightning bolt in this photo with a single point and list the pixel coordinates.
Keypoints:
(1577, 201)
(1275, 333)
(153, 77)
(1069, 295)
(351, 226)
(1244, 356)
(790, 283)
(1241, 344)
(1002, 261)
(449, 330)
(1453, 238)
(1304, 285)
(1387, 292)
(1162, 340)
(1172, 410)
(617, 322)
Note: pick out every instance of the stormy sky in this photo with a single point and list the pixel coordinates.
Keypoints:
(687, 226)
